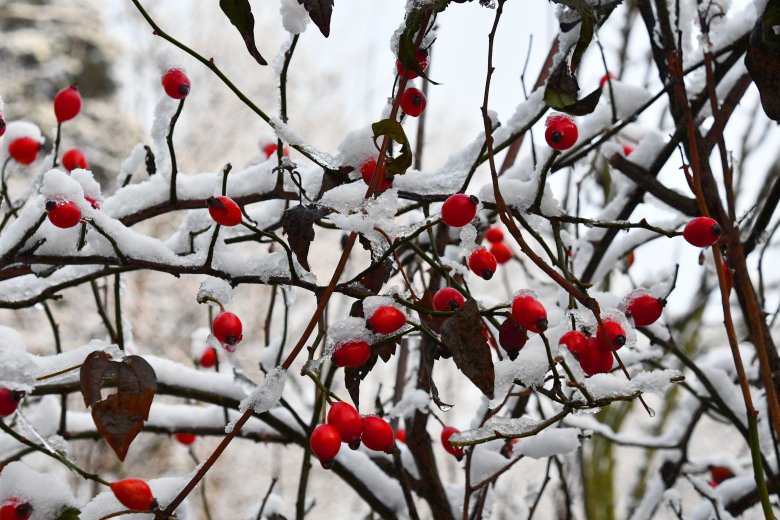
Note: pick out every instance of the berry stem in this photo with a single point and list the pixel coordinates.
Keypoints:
(536, 206)
(275, 238)
(120, 336)
(171, 151)
(56, 151)
(6, 196)
(556, 377)
(225, 172)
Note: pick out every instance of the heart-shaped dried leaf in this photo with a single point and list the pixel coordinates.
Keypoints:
(120, 416)
(462, 333)
(239, 12)
(320, 12)
(298, 224)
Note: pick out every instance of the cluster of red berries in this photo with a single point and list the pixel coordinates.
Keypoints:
(15, 509)
(67, 105)
(346, 425)
(9, 401)
(594, 353)
(498, 248)
(386, 319)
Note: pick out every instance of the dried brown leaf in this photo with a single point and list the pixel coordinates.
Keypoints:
(462, 333)
(120, 416)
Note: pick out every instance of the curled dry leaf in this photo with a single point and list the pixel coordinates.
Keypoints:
(462, 333)
(120, 416)
(298, 224)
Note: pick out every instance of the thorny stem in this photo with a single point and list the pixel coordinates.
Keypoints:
(27, 442)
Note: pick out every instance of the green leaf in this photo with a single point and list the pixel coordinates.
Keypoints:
(239, 12)
(393, 129)
(588, 21)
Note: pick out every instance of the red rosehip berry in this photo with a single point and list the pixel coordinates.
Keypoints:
(270, 149)
(92, 202)
(502, 252)
(377, 434)
(325, 442)
(413, 102)
(347, 421)
(422, 62)
(459, 209)
(627, 150)
(24, 150)
(387, 319)
(561, 132)
(494, 235)
(367, 172)
(400, 435)
(9, 401)
(483, 263)
(628, 261)
(227, 329)
(611, 336)
(352, 354)
(446, 433)
(702, 232)
(224, 211)
(512, 337)
(529, 313)
(64, 214)
(186, 438)
(645, 310)
(74, 158)
(447, 299)
(2, 125)
(209, 357)
(176, 83)
(15, 509)
(718, 474)
(594, 359)
(134, 494)
(575, 341)
(67, 104)
(607, 77)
